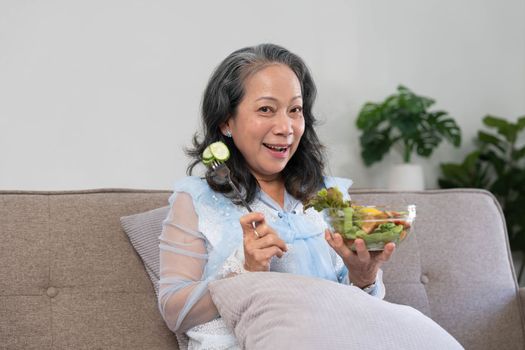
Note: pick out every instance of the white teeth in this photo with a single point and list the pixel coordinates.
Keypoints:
(278, 149)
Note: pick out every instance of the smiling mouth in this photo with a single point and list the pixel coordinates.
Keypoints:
(277, 148)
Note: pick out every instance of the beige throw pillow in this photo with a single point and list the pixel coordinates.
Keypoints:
(143, 231)
(269, 310)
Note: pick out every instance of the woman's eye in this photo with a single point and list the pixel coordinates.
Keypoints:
(265, 109)
(297, 109)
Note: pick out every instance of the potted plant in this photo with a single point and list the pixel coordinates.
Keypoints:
(403, 122)
(497, 165)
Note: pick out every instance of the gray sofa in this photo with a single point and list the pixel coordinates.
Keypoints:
(70, 279)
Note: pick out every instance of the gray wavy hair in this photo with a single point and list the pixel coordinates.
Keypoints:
(304, 172)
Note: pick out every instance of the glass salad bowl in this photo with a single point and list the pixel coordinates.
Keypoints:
(376, 225)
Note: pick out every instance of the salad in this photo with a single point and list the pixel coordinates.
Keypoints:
(376, 226)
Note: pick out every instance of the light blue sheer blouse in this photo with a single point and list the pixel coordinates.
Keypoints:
(216, 234)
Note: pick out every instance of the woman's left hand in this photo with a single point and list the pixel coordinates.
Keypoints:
(362, 265)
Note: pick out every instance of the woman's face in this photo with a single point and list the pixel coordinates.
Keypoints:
(269, 122)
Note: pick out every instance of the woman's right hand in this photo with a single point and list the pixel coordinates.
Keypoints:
(261, 243)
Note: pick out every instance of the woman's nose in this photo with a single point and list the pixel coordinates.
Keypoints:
(283, 124)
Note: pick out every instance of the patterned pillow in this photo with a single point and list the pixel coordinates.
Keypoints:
(143, 231)
(270, 310)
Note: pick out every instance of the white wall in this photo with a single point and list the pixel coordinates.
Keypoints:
(106, 93)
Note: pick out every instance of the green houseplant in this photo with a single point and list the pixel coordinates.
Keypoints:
(403, 120)
(498, 165)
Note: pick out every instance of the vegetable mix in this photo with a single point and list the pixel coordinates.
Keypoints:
(375, 226)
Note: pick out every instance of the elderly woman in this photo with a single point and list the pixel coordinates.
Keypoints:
(259, 103)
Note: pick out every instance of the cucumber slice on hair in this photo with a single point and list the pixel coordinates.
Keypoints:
(220, 151)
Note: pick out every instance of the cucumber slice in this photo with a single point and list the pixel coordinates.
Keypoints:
(347, 223)
(220, 151)
(206, 155)
(207, 161)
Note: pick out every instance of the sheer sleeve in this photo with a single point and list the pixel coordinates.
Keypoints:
(184, 299)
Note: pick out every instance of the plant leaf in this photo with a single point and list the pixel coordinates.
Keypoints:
(503, 127)
(500, 187)
(495, 122)
(471, 159)
(521, 123)
(518, 154)
(491, 139)
(456, 174)
(369, 117)
(407, 124)
(472, 172)
(375, 144)
(496, 161)
(414, 103)
(494, 168)
(447, 183)
(447, 127)
(426, 139)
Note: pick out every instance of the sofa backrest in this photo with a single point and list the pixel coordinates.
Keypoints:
(456, 267)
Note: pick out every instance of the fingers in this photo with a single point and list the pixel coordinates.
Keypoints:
(361, 263)
(269, 238)
(336, 242)
(246, 220)
(270, 252)
(261, 243)
(261, 258)
(387, 252)
(262, 234)
(362, 252)
(249, 225)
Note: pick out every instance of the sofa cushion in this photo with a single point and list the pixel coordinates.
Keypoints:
(143, 231)
(269, 310)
